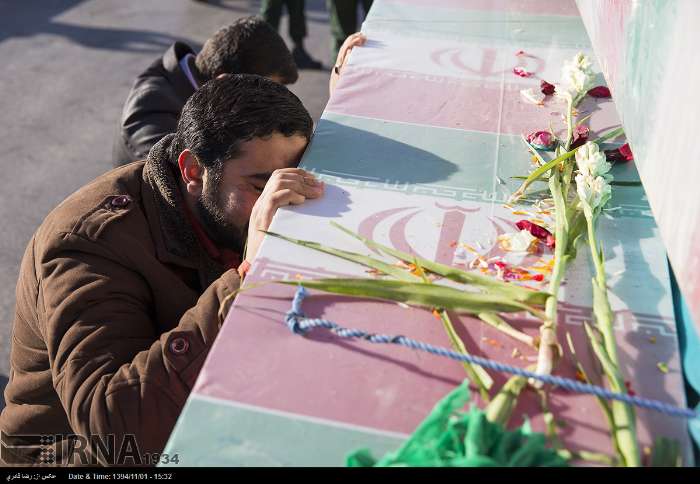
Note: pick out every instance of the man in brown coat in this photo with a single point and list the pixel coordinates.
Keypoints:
(120, 286)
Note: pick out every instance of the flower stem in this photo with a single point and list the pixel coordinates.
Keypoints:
(478, 375)
(549, 346)
(501, 407)
(623, 415)
(569, 123)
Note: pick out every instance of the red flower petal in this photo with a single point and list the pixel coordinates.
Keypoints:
(580, 136)
(549, 242)
(600, 91)
(547, 88)
(626, 151)
(519, 71)
(619, 155)
(614, 156)
(538, 277)
(537, 231)
(520, 52)
(541, 139)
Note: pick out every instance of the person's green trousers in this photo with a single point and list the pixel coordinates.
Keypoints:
(271, 11)
(343, 15)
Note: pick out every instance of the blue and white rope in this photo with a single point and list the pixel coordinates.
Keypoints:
(300, 324)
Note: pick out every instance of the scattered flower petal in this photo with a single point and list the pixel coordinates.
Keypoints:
(532, 96)
(519, 71)
(520, 52)
(537, 231)
(493, 342)
(663, 367)
(522, 241)
(652, 339)
(542, 140)
(580, 136)
(626, 152)
(546, 88)
(620, 155)
(599, 91)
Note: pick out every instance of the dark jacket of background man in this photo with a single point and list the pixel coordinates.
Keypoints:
(153, 106)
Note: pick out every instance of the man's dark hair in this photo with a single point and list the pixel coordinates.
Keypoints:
(248, 46)
(230, 110)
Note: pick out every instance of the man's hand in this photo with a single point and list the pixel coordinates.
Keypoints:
(287, 186)
(355, 39)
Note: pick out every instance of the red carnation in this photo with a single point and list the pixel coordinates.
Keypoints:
(542, 140)
(580, 136)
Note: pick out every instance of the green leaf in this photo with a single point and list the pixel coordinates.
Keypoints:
(476, 373)
(419, 294)
(364, 260)
(488, 283)
(666, 453)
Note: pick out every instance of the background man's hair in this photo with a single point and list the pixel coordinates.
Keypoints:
(248, 46)
(230, 110)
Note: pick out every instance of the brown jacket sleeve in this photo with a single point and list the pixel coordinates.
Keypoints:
(113, 373)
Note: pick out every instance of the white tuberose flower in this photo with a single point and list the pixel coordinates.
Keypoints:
(591, 162)
(577, 75)
(594, 192)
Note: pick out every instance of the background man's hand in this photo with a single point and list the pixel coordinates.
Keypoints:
(358, 38)
(287, 186)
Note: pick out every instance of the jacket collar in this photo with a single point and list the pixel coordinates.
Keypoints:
(175, 240)
(171, 63)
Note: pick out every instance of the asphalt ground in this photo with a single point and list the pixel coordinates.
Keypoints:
(66, 67)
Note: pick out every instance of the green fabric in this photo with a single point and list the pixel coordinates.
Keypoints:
(449, 437)
(271, 11)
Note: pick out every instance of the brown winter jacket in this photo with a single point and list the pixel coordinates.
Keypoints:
(116, 311)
